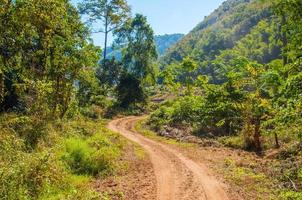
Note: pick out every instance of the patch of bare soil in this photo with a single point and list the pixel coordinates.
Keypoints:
(136, 182)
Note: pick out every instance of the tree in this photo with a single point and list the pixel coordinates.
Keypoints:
(111, 13)
(290, 31)
(168, 77)
(188, 66)
(130, 91)
(43, 47)
(109, 73)
(136, 38)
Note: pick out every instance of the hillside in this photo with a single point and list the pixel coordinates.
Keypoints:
(162, 42)
(225, 29)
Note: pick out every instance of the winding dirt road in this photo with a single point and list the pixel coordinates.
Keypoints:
(177, 177)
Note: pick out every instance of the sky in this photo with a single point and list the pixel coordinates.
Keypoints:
(169, 16)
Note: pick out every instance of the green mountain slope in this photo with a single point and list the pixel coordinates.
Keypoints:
(164, 42)
(224, 29)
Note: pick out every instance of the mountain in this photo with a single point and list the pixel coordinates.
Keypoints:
(237, 25)
(162, 42)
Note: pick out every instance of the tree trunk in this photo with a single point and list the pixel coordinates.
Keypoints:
(106, 38)
(257, 134)
(277, 141)
(56, 96)
(228, 127)
(1, 87)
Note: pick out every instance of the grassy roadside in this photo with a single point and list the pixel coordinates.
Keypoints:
(250, 176)
(59, 159)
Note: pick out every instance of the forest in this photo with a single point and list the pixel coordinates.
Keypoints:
(231, 89)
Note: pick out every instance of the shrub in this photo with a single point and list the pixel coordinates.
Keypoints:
(30, 128)
(291, 195)
(93, 112)
(161, 117)
(232, 141)
(79, 156)
(185, 109)
(41, 173)
(94, 156)
(29, 175)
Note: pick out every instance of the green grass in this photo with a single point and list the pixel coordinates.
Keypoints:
(255, 184)
(61, 162)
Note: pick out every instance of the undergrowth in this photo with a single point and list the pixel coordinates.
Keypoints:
(55, 159)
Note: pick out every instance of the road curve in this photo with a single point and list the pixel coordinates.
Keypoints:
(177, 177)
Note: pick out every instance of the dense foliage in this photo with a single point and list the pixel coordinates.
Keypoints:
(42, 55)
(250, 83)
(136, 41)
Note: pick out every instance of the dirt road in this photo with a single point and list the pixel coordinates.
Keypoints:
(177, 177)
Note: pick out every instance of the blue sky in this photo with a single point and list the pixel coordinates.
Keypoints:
(169, 16)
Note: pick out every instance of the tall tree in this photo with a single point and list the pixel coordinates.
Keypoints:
(139, 50)
(136, 38)
(111, 13)
(188, 66)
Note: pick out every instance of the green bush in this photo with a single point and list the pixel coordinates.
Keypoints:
(291, 195)
(94, 156)
(161, 117)
(79, 156)
(29, 175)
(181, 111)
(93, 112)
(185, 110)
(232, 141)
(30, 128)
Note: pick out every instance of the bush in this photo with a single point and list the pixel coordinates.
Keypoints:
(185, 110)
(30, 128)
(161, 117)
(208, 114)
(179, 112)
(232, 141)
(291, 195)
(29, 175)
(94, 156)
(93, 112)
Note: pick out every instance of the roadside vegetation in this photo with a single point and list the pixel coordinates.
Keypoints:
(67, 156)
